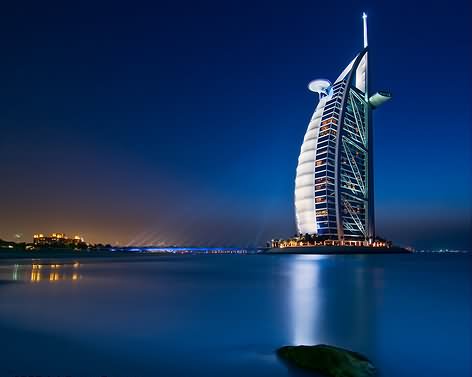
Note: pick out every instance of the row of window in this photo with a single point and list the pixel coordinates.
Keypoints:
(330, 126)
(331, 225)
(325, 205)
(325, 191)
(328, 132)
(327, 138)
(325, 150)
(338, 87)
(323, 198)
(327, 119)
(326, 218)
(335, 97)
(323, 168)
(324, 180)
(324, 155)
(322, 174)
(323, 144)
(336, 106)
(327, 232)
(323, 160)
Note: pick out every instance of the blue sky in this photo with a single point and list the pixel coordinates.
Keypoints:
(182, 122)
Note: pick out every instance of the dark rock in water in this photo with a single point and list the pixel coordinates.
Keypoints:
(327, 360)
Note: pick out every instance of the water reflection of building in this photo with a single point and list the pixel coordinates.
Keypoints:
(305, 299)
(41, 272)
(334, 300)
(365, 289)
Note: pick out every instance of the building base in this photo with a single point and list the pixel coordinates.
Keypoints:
(326, 250)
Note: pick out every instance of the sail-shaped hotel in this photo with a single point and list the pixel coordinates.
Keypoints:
(334, 180)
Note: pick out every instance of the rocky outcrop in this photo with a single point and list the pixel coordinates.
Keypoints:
(328, 360)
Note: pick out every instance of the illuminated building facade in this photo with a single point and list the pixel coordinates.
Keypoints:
(57, 240)
(334, 182)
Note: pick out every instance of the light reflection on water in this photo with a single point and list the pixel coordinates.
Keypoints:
(306, 298)
(41, 272)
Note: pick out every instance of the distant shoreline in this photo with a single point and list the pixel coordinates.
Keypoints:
(67, 253)
(57, 253)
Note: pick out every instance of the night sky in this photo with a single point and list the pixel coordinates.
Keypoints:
(181, 122)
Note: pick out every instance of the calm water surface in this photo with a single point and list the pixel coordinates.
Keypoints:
(223, 315)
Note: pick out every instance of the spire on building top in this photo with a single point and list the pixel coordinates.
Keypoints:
(364, 18)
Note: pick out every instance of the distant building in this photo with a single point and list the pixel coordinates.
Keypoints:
(57, 240)
(334, 196)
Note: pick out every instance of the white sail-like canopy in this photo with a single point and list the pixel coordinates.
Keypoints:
(360, 73)
(304, 181)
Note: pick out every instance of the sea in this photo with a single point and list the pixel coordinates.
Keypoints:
(225, 315)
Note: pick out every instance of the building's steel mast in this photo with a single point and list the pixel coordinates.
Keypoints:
(370, 146)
